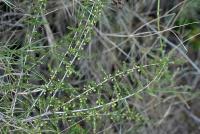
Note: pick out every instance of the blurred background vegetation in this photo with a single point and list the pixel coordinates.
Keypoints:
(100, 66)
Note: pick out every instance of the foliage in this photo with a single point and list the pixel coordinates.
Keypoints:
(87, 79)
